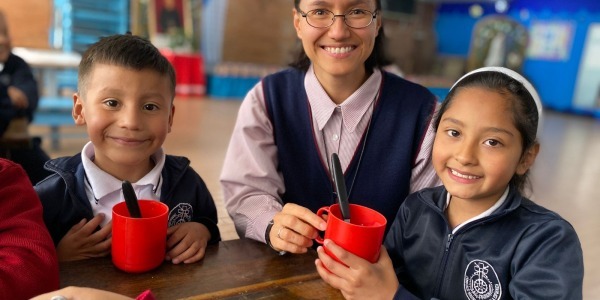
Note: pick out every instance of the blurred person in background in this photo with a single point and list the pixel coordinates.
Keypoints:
(18, 102)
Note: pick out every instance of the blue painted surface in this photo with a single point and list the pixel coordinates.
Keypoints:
(230, 86)
(554, 80)
(439, 92)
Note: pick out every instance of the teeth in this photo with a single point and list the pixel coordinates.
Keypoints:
(463, 176)
(338, 50)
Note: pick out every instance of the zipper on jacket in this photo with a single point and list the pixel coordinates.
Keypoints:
(448, 242)
(439, 282)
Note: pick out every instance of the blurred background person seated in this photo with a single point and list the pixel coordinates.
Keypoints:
(18, 101)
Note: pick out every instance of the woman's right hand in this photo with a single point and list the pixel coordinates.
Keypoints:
(294, 228)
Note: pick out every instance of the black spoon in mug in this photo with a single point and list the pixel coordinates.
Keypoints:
(340, 186)
(131, 200)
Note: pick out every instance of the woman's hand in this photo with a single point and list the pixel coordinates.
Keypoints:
(359, 279)
(294, 228)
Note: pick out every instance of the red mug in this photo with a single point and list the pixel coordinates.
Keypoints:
(362, 236)
(139, 244)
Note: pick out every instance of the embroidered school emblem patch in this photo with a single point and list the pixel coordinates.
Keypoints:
(481, 281)
(180, 214)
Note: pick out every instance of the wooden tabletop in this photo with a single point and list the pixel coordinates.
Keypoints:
(235, 269)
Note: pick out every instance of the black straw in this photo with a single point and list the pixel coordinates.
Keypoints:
(131, 200)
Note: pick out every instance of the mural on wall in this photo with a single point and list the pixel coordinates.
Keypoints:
(498, 40)
(173, 24)
(550, 40)
(587, 89)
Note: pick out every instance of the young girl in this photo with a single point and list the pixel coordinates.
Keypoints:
(477, 236)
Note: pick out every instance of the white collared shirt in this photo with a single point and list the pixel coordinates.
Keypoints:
(484, 214)
(341, 127)
(104, 190)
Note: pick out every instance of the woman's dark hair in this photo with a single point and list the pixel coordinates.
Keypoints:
(524, 109)
(377, 59)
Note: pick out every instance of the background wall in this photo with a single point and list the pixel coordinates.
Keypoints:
(28, 21)
(259, 31)
(554, 79)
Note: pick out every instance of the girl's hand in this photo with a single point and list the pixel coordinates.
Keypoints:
(359, 279)
(186, 242)
(294, 228)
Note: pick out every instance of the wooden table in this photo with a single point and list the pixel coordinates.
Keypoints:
(236, 269)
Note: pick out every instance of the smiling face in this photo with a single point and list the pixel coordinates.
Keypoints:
(337, 50)
(477, 148)
(128, 114)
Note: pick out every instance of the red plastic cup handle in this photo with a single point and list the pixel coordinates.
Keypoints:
(320, 212)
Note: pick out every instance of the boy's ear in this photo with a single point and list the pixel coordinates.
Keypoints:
(528, 159)
(77, 112)
(171, 117)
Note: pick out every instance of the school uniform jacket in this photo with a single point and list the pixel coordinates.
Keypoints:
(521, 251)
(65, 202)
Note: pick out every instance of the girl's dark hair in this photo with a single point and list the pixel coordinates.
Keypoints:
(377, 59)
(124, 50)
(525, 113)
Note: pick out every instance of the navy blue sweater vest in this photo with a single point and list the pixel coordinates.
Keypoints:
(382, 178)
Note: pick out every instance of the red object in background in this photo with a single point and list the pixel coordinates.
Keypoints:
(189, 70)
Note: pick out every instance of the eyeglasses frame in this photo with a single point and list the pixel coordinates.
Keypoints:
(305, 16)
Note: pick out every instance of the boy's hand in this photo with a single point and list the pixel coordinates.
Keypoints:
(83, 241)
(361, 279)
(186, 242)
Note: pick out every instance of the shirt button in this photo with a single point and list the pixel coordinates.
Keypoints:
(336, 137)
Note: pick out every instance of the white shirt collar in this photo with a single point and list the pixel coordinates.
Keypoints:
(484, 214)
(353, 108)
(103, 184)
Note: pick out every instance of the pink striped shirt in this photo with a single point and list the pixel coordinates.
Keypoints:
(249, 179)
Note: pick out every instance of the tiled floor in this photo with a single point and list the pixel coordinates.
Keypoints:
(565, 177)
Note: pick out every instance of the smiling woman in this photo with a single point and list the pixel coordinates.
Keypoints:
(335, 98)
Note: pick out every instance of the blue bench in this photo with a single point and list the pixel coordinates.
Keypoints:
(54, 112)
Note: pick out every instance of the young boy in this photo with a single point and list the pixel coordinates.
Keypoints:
(125, 99)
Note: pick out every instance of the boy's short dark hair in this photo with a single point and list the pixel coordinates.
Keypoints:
(124, 50)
